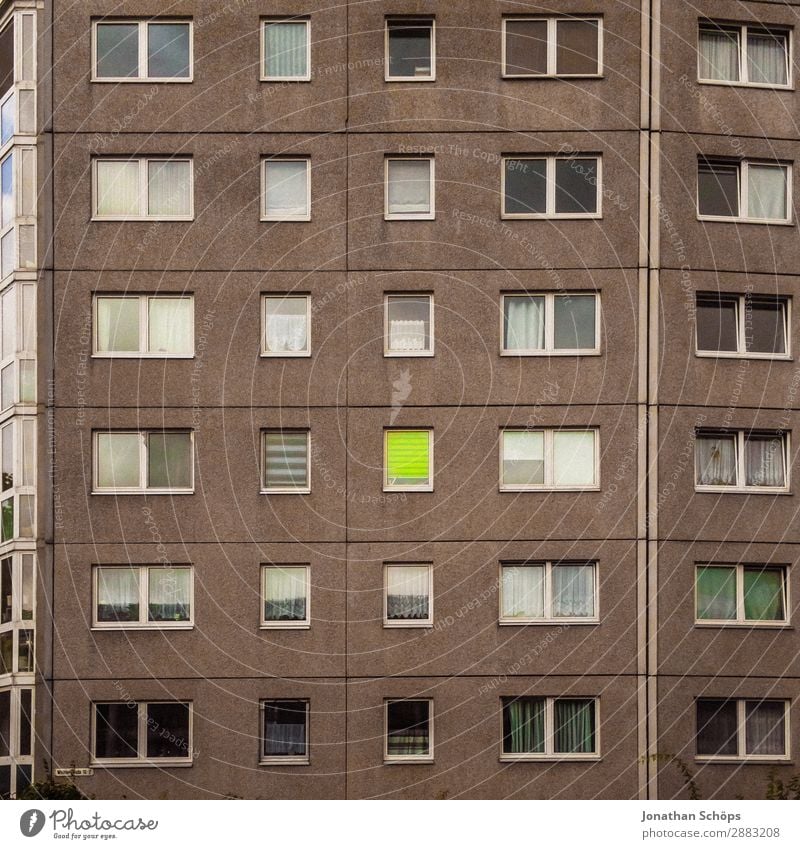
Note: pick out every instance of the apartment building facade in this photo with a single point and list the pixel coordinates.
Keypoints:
(414, 398)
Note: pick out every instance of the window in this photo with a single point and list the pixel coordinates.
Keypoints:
(16, 740)
(143, 596)
(740, 594)
(17, 638)
(409, 188)
(548, 591)
(285, 593)
(144, 461)
(127, 189)
(743, 55)
(408, 460)
(741, 460)
(410, 49)
(286, 461)
(545, 728)
(549, 459)
(158, 50)
(18, 485)
(286, 49)
(551, 324)
(408, 330)
(742, 325)
(142, 733)
(409, 730)
(742, 729)
(144, 325)
(551, 187)
(8, 216)
(287, 189)
(744, 191)
(552, 47)
(285, 738)
(287, 326)
(408, 596)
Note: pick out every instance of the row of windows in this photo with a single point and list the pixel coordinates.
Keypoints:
(532, 728)
(563, 458)
(537, 46)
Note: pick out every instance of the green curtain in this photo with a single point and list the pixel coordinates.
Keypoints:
(407, 457)
(763, 594)
(574, 725)
(526, 726)
(716, 592)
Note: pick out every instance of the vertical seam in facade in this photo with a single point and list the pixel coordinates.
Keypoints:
(346, 398)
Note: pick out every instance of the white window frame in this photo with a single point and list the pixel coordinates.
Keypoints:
(548, 617)
(24, 441)
(741, 737)
(143, 162)
(549, 456)
(552, 46)
(264, 163)
(144, 624)
(741, 352)
(296, 760)
(549, 349)
(143, 36)
(284, 296)
(387, 351)
(293, 625)
(144, 326)
(406, 623)
(550, 180)
(143, 464)
(741, 621)
(14, 759)
(399, 21)
(742, 174)
(741, 468)
(550, 753)
(409, 216)
(285, 490)
(262, 74)
(428, 757)
(741, 30)
(142, 760)
(426, 487)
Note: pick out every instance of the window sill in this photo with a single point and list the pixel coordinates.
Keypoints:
(289, 760)
(298, 491)
(748, 626)
(306, 79)
(428, 79)
(139, 355)
(740, 84)
(404, 354)
(118, 492)
(427, 625)
(725, 219)
(565, 621)
(408, 488)
(428, 217)
(731, 355)
(543, 216)
(293, 219)
(592, 488)
(555, 353)
(598, 76)
(747, 759)
(550, 758)
(408, 760)
(734, 490)
(130, 219)
(284, 626)
(158, 763)
(150, 626)
(285, 355)
(141, 80)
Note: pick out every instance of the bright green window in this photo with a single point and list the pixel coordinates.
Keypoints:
(408, 458)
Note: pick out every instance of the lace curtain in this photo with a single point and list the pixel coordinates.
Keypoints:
(168, 192)
(409, 186)
(170, 593)
(524, 323)
(285, 595)
(716, 460)
(117, 595)
(764, 461)
(407, 590)
(719, 55)
(523, 592)
(170, 325)
(573, 590)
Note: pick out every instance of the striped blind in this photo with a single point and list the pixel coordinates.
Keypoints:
(286, 460)
(407, 457)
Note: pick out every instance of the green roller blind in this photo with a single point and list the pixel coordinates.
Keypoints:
(407, 457)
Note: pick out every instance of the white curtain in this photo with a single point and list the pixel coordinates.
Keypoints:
(523, 457)
(573, 590)
(574, 458)
(766, 59)
(766, 188)
(716, 460)
(764, 461)
(117, 187)
(117, 594)
(118, 459)
(169, 188)
(524, 323)
(286, 49)
(118, 324)
(407, 590)
(170, 325)
(719, 55)
(286, 188)
(765, 728)
(287, 326)
(406, 335)
(523, 592)
(169, 591)
(409, 186)
(285, 594)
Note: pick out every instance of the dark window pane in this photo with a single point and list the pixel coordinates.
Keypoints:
(116, 730)
(5, 723)
(763, 594)
(7, 653)
(7, 519)
(168, 730)
(168, 50)
(716, 727)
(765, 327)
(408, 728)
(410, 49)
(717, 324)
(25, 743)
(765, 728)
(526, 47)
(117, 50)
(576, 186)
(23, 778)
(6, 597)
(574, 725)
(526, 186)
(574, 322)
(523, 726)
(285, 728)
(169, 460)
(718, 190)
(5, 782)
(577, 51)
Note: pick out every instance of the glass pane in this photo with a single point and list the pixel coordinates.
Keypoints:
(574, 725)
(717, 324)
(25, 653)
(5, 782)
(285, 460)
(766, 192)
(117, 595)
(523, 323)
(117, 50)
(286, 329)
(7, 182)
(286, 50)
(410, 49)
(575, 321)
(526, 47)
(576, 186)
(286, 188)
(118, 459)
(7, 386)
(169, 595)
(719, 55)
(169, 460)
(716, 592)
(117, 188)
(7, 509)
(26, 515)
(716, 727)
(522, 592)
(28, 586)
(407, 592)
(169, 325)
(25, 722)
(7, 119)
(23, 777)
(27, 381)
(578, 46)
(718, 190)
(285, 594)
(765, 327)
(523, 726)
(766, 58)
(8, 259)
(573, 589)
(117, 325)
(407, 458)
(6, 590)
(8, 322)
(574, 458)
(763, 594)
(409, 323)
(5, 723)
(522, 454)
(765, 728)
(715, 460)
(409, 186)
(408, 728)
(116, 730)
(168, 730)
(28, 452)
(285, 728)
(8, 457)
(763, 457)
(169, 188)
(7, 653)
(525, 187)
(168, 50)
